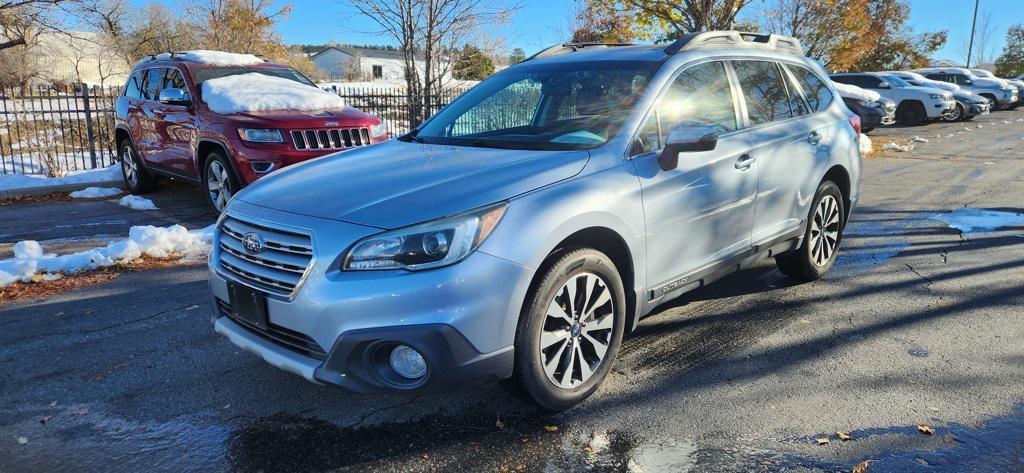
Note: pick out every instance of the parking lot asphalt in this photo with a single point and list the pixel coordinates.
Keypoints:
(917, 324)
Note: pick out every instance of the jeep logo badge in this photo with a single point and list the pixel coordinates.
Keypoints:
(330, 123)
(253, 243)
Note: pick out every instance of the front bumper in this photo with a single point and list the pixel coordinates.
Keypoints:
(938, 108)
(338, 327)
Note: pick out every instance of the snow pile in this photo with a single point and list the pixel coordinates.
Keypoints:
(865, 145)
(135, 202)
(918, 139)
(214, 58)
(950, 135)
(969, 220)
(95, 192)
(896, 147)
(24, 181)
(854, 92)
(979, 126)
(158, 242)
(255, 92)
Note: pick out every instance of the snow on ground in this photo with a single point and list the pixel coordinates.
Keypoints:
(135, 202)
(918, 139)
(865, 145)
(388, 84)
(969, 220)
(896, 147)
(216, 58)
(24, 181)
(854, 92)
(95, 192)
(158, 242)
(254, 92)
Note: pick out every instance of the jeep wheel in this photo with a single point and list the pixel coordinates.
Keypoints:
(570, 330)
(220, 180)
(955, 115)
(911, 113)
(824, 231)
(136, 179)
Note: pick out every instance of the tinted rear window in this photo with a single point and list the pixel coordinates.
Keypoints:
(764, 91)
(817, 93)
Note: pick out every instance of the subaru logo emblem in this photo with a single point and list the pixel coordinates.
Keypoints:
(253, 243)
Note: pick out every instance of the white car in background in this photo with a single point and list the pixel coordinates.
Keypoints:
(914, 105)
(998, 91)
(1018, 83)
(968, 105)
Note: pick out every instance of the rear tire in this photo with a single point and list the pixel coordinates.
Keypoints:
(219, 181)
(559, 360)
(136, 179)
(824, 232)
(911, 113)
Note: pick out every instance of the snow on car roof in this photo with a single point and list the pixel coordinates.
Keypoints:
(205, 56)
(253, 92)
(854, 92)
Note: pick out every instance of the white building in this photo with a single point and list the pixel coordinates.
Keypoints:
(77, 56)
(362, 64)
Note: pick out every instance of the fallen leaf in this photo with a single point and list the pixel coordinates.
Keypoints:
(551, 428)
(861, 467)
(424, 456)
(843, 436)
(805, 321)
(499, 424)
(924, 429)
(36, 278)
(823, 441)
(45, 419)
(22, 440)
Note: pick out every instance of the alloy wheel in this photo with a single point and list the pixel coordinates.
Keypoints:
(955, 114)
(577, 330)
(129, 166)
(825, 231)
(218, 185)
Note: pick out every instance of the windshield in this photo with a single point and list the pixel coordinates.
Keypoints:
(895, 81)
(203, 74)
(545, 107)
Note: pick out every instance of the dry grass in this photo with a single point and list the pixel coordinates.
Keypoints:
(40, 288)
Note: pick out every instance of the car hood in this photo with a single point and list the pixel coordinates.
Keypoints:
(984, 82)
(396, 183)
(928, 90)
(347, 116)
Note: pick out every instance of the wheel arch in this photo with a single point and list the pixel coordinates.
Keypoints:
(841, 177)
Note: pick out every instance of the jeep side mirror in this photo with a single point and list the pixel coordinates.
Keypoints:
(686, 138)
(173, 96)
(884, 85)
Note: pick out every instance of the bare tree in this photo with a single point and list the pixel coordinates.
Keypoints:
(984, 48)
(427, 33)
(20, 19)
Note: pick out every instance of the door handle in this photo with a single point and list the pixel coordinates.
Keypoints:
(814, 138)
(744, 162)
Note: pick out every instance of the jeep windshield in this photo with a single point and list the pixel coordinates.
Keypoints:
(203, 74)
(572, 105)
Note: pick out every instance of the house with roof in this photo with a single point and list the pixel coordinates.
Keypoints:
(347, 63)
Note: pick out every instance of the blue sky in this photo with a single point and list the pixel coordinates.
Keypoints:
(540, 23)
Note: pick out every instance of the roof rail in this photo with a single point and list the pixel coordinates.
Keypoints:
(735, 39)
(572, 47)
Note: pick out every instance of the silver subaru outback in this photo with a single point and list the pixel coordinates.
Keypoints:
(520, 232)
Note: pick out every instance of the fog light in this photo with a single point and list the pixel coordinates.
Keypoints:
(407, 362)
(262, 167)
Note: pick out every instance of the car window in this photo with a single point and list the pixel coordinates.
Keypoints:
(174, 79)
(700, 95)
(511, 107)
(133, 88)
(817, 93)
(796, 102)
(154, 81)
(763, 90)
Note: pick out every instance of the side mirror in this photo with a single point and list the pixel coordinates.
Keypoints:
(968, 82)
(175, 97)
(686, 139)
(884, 85)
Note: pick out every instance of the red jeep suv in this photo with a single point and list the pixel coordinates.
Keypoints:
(164, 125)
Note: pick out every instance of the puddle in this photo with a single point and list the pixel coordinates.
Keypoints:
(969, 220)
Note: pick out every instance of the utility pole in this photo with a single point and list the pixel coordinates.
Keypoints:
(970, 45)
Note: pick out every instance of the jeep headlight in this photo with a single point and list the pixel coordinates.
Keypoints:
(427, 245)
(378, 130)
(935, 96)
(260, 135)
(870, 104)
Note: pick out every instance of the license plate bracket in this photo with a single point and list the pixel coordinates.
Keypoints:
(248, 305)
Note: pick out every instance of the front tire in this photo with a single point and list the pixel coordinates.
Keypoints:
(912, 113)
(820, 246)
(570, 330)
(219, 180)
(957, 114)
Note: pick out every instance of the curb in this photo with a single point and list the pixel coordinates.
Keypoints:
(27, 191)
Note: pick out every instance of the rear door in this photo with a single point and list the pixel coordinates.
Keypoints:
(785, 144)
(149, 144)
(699, 213)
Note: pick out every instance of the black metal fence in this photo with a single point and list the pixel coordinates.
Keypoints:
(51, 130)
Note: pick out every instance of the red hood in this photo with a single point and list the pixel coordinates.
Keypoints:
(347, 116)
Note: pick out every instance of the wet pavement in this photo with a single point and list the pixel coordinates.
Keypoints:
(919, 323)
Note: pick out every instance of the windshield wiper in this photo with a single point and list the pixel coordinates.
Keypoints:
(413, 136)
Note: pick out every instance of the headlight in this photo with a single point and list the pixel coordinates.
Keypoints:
(378, 130)
(424, 246)
(935, 96)
(260, 135)
(871, 104)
